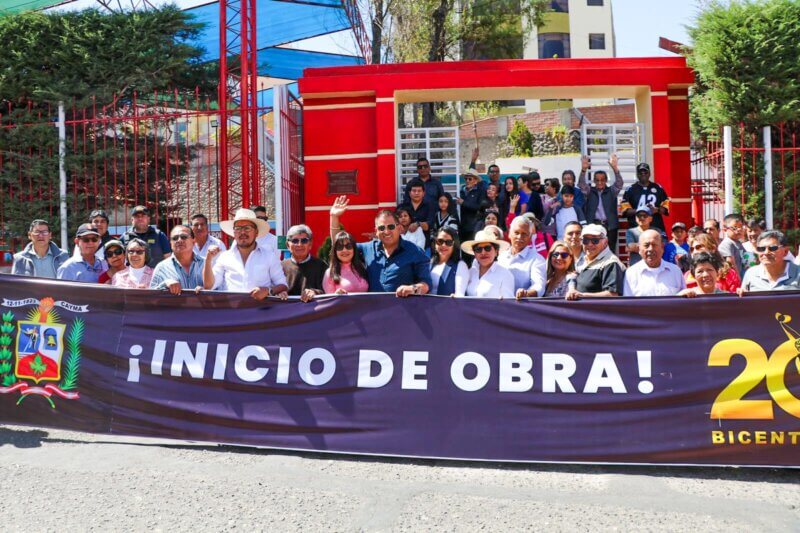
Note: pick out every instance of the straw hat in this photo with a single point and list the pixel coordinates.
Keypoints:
(246, 215)
(484, 236)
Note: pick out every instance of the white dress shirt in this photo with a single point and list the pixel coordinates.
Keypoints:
(263, 269)
(498, 282)
(664, 280)
(210, 241)
(528, 267)
(270, 242)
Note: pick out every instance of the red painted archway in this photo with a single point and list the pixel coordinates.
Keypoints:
(350, 118)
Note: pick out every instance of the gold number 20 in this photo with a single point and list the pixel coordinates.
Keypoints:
(729, 404)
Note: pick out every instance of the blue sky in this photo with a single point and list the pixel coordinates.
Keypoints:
(639, 23)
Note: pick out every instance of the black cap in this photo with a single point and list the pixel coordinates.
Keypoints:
(86, 229)
(98, 213)
(642, 166)
(140, 209)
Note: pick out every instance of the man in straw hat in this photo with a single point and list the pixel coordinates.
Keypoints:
(247, 266)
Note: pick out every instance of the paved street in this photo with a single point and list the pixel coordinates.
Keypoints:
(58, 480)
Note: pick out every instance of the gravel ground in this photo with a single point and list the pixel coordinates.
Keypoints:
(63, 481)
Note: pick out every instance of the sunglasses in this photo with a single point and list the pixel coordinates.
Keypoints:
(135, 252)
(562, 255)
(244, 228)
(345, 246)
(593, 240)
(300, 240)
(485, 248)
(763, 249)
(90, 239)
(114, 253)
(390, 227)
(444, 242)
(697, 247)
(181, 237)
(420, 167)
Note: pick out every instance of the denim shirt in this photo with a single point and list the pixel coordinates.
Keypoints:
(407, 265)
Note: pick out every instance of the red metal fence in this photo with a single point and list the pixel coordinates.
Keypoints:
(748, 174)
(162, 150)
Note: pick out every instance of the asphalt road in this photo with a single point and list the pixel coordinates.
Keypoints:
(63, 481)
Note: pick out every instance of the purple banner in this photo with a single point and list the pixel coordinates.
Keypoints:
(710, 381)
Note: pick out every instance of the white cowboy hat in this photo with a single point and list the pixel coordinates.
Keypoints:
(249, 216)
(484, 236)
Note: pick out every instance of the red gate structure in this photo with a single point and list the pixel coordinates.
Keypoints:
(350, 118)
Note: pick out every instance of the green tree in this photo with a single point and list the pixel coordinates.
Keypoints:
(745, 55)
(520, 139)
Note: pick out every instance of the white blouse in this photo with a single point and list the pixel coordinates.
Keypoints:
(498, 282)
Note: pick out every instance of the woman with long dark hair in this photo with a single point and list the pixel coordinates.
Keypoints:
(560, 267)
(449, 273)
(347, 272)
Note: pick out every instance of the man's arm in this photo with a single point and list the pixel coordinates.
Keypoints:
(613, 162)
(583, 184)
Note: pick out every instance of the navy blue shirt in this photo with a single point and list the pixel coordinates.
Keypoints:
(423, 213)
(406, 266)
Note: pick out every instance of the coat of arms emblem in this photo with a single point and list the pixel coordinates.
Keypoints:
(40, 355)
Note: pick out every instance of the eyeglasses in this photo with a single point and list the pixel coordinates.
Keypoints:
(420, 167)
(115, 252)
(593, 240)
(494, 172)
(244, 228)
(698, 247)
(643, 171)
(135, 252)
(90, 239)
(41, 232)
(300, 240)
(345, 246)
(562, 255)
(389, 227)
(179, 237)
(763, 249)
(478, 249)
(735, 228)
(444, 242)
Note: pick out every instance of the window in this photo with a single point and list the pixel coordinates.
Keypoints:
(559, 6)
(597, 41)
(553, 45)
(598, 3)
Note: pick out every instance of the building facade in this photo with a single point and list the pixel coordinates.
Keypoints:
(573, 29)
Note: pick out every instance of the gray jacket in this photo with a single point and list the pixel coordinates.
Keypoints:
(23, 261)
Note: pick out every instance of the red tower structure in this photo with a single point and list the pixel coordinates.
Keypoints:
(239, 169)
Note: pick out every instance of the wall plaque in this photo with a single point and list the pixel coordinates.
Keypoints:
(342, 182)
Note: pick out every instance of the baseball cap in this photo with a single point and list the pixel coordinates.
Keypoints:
(113, 242)
(645, 210)
(594, 229)
(140, 209)
(98, 213)
(642, 166)
(86, 229)
(679, 225)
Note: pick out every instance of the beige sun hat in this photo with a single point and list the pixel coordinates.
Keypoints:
(484, 236)
(248, 215)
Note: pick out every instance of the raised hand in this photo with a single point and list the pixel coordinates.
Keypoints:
(476, 152)
(212, 251)
(339, 206)
(613, 162)
(584, 163)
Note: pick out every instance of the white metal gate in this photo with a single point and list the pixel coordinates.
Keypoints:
(438, 145)
(599, 141)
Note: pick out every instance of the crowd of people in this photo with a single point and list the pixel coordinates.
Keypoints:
(515, 239)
